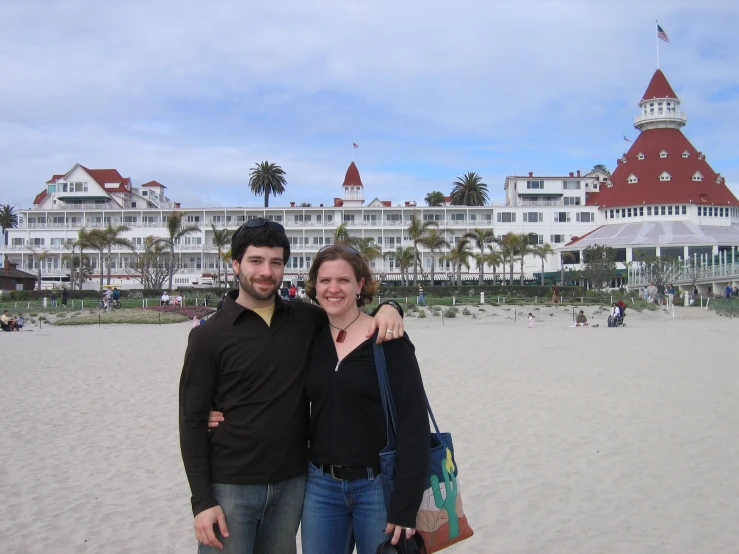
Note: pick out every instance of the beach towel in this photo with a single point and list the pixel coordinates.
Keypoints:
(440, 519)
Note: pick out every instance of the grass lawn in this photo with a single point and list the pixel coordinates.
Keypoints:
(122, 316)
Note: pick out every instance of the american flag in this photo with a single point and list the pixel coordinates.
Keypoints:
(355, 145)
(661, 34)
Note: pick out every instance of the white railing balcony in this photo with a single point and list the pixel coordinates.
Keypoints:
(661, 116)
(541, 203)
(68, 206)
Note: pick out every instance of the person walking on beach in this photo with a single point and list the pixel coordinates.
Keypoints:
(555, 294)
(292, 292)
(531, 320)
(65, 297)
(248, 478)
(728, 290)
(421, 297)
(53, 299)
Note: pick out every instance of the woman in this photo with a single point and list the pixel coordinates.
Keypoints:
(344, 499)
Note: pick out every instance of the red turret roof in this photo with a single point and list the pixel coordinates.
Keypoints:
(680, 189)
(352, 176)
(659, 87)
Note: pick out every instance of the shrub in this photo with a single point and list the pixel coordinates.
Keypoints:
(421, 314)
(450, 313)
(466, 312)
(188, 311)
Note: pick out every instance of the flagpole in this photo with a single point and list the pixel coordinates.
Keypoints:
(656, 37)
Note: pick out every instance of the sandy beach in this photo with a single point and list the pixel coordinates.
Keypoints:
(587, 440)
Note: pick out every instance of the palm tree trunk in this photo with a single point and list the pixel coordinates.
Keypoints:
(482, 266)
(100, 258)
(562, 269)
(510, 277)
(109, 256)
(171, 263)
(39, 276)
(522, 270)
(415, 266)
(432, 270)
(266, 198)
(542, 272)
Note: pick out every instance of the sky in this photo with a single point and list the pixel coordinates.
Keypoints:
(193, 94)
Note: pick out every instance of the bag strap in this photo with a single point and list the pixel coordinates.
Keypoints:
(386, 396)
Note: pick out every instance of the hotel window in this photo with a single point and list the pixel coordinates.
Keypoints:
(370, 218)
(665, 176)
(216, 218)
(623, 212)
(533, 217)
(649, 210)
(641, 211)
(628, 211)
(640, 156)
(193, 219)
(663, 154)
(710, 211)
(55, 242)
(393, 218)
(130, 219)
(572, 200)
(506, 217)
(611, 214)
(457, 217)
(662, 210)
(349, 218)
(669, 210)
(697, 176)
(571, 185)
(534, 184)
(686, 154)
(561, 217)
(557, 239)
(585, 217)
(275, 218)
(685, 210)
(632, 179)
(432, 217)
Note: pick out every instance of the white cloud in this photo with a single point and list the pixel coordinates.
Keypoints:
(193, 93)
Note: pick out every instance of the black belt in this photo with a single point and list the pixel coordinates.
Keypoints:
(347, 473)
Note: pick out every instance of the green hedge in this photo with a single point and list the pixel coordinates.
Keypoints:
(491, 291)
(211, 292)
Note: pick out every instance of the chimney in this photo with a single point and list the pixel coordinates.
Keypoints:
(578, 172)
(320, 206)
(572, 174)
(292, 204)
(531, 173)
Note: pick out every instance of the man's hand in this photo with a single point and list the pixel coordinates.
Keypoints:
(397, 530)
(204, 523)
(214, 418)
(388, 323)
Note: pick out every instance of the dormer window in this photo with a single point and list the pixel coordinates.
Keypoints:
(701, 156)
(623, 159)
(686, 154)
(640, 156)
(632, 179)
(663, 154)
(697, 176)
(609, 184)
(665, 176)
(719, 179)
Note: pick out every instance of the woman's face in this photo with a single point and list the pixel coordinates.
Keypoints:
(337, 287)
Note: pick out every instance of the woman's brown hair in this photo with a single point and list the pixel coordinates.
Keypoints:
(355, 260)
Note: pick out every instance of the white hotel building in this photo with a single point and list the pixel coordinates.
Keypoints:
(663, 198)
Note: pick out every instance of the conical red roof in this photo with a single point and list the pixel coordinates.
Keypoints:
(659, 87)
(680, 189)
(352, 176)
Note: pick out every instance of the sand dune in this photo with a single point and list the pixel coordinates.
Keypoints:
(588, 440)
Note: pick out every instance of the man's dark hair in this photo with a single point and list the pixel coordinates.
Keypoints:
(258, 236)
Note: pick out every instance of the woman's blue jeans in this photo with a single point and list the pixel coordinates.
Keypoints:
(337, 514)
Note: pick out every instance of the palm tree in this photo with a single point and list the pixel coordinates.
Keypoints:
(96, 240)
(459, 256)
(341, 235)
(508, 250)
(542, 251)
(481, 237)
(434, 198)
(226, 258)
(266, 179)
(82, 238)
(111, 236)
(524, 247)
(434, 241)
(367, 248)
(403, 258)
(176, 231)
(494, 258)
(221, 239)
(39, 256)
(600, 167)
(469, 190)
(416, 231)
(8, 219)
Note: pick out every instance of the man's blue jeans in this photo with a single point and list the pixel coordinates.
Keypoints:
(261, 519)
(336, 514)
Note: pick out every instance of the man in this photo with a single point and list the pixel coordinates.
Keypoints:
(116, 295)
(165, 299)
(53, 299)
(65, 297)
(248, 478)
(728, 290)
(7, 322)
(581, 319)
(108, 295)
(421, 297)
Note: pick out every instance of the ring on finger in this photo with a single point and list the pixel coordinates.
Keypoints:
(389, 331)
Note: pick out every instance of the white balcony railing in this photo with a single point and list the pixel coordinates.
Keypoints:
(661, 116)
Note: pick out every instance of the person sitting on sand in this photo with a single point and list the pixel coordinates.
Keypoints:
(581, 319)
(19, 322)
(7, 323)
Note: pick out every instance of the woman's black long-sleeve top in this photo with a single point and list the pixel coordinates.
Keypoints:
(347, 424)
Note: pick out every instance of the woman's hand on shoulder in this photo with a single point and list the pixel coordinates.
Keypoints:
(397, 530)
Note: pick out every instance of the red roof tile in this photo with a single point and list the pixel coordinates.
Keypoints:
(102, 176)
(153, 184)
(54, 179)
(40, 197)
(659, 87)
(338, 202)
(578, 239)
(352, 176)
(680, 189)
(387, 203)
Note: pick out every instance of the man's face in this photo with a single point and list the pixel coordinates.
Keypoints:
(260, 271)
